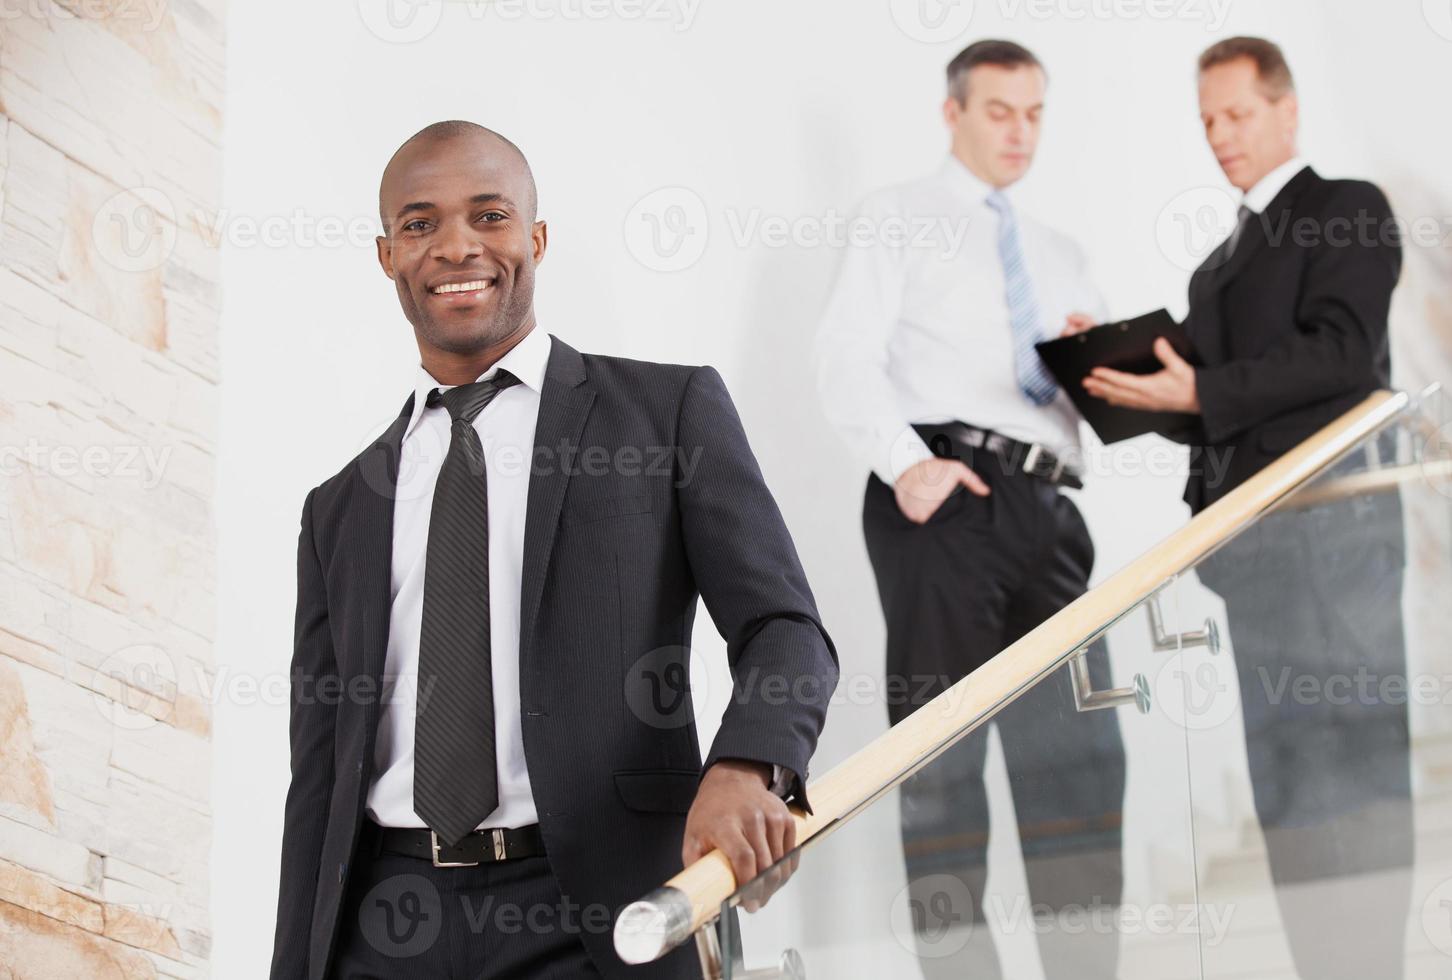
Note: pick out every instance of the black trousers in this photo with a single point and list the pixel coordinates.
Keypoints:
(404, 918)
(977, 576)
(1313, 600)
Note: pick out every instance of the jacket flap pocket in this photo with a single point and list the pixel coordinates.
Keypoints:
(1278, 439)
(658, 790)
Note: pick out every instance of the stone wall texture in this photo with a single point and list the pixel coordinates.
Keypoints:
(110, 166)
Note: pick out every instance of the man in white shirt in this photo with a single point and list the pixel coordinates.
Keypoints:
(925, 364)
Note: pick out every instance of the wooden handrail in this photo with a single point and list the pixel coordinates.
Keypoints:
(646, 929)
(1372, 481)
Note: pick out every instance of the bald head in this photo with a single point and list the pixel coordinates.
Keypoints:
(499, 151)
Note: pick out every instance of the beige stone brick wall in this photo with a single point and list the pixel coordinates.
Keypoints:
(110, 173)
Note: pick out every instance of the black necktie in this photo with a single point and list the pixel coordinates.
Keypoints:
(1243, 216)
(455, 785)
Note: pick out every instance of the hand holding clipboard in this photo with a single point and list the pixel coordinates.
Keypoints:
(1125, 352)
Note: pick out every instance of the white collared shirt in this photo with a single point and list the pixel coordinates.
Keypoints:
(917, 329)
(506, 430)
(1258, 198)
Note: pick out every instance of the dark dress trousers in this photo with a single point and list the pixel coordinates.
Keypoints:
(643, 495)
(1292, 332)
(974, 579)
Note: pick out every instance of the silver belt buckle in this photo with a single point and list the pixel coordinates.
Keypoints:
(500, 854)
(1057, 471)
(434, 842)
(1031, 463)
(1031, 459)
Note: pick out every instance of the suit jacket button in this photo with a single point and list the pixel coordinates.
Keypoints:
(360, 768)
(342, 870)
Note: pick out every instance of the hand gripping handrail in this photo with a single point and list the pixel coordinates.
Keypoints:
(647, 929)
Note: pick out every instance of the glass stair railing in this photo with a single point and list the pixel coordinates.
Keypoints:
(1233, 758)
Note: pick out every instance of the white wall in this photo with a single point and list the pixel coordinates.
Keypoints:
(746, 109)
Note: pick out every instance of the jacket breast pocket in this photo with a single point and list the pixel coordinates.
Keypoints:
(598, 508)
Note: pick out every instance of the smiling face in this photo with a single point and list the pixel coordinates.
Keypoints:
(461, 242)
(1251, 129)
(996, 132)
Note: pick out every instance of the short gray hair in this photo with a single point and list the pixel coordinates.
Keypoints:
(1270, 62)
(1002, 54)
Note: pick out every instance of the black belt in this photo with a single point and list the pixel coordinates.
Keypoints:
(1019, 457)
(479, 847)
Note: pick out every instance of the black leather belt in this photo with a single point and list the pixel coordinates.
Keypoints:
(479, 847)
(1019, 457)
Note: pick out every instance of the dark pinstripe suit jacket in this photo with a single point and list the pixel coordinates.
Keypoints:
(643, 494)
(1291, 330)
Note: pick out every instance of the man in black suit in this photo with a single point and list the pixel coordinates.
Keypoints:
(490, 759)
(1288, 318)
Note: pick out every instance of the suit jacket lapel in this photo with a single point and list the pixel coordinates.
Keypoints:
(1273, 222)
(1207, 333)
(1251, 240)
(565, 402)
(370, 543)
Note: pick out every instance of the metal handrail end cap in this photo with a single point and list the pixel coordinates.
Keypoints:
(646, 930)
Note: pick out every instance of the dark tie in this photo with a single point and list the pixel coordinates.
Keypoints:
(454, 781)
(1244, 216)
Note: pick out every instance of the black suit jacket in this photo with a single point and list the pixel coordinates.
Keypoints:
(643, 494)
(1292, 329)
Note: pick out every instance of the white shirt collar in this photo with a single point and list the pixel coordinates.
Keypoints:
(964, 182)
(526, 360)
(1259, 197)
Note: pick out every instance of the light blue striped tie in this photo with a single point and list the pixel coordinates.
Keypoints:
(1023, 308)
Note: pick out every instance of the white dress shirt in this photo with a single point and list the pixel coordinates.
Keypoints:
(1258, 198)
(506, 431)
(917, 329)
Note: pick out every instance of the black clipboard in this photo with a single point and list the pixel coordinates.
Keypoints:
(1125, 345)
